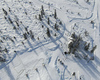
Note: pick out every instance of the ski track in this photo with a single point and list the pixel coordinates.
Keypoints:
(42, 44)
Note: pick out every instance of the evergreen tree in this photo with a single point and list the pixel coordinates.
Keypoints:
(6, 50)
(41, 13)
(55, 14)
(87, 0)
(48, 20)
(93, 48)
(42, 10)
(10, 20)
(56, 27)
(48, 32)
(87, 47)
(17, 23)
(40, 17)
(60, 23)
(31, 34)
(5, 12)
(25, 36)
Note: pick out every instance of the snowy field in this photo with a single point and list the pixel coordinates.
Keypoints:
(49, 40)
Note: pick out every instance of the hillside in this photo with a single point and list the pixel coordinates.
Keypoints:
(49, 39)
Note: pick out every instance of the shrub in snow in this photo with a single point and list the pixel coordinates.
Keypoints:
(14, 37)
(73, 52)
(58, 59)
(73, 74)
(55, 34)
(27, 76)
(65, 53)
(1, 41)
(22, 42)
(92, 22)
(14, 27)
(38, 38)
(43, 64)
(9, 9)
(86, 33)
(30, 3)
(26, 13)
(35, 16)
(36, 70)
(5, 17)
(61, 62)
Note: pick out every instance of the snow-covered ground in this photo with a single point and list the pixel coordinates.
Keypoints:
(41, 57)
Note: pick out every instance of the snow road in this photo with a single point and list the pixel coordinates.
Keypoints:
(43, 58)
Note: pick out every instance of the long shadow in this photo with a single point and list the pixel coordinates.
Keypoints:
(48, 73)
(62, 76)
(88, 68)
(97, 60)
(8, 71)
(61, 34)
(39, 75)
(29, 44)
(5, 64)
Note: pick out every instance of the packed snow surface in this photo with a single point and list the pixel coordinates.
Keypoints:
(35, 46)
